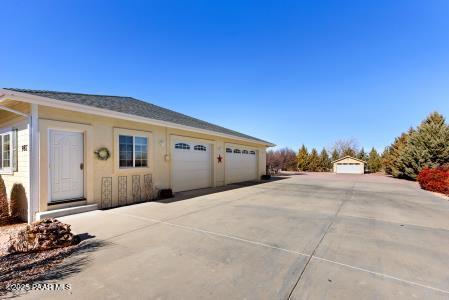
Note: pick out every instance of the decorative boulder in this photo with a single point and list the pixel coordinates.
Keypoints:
(42, 235)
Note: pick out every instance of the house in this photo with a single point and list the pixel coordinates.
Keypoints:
(349, 165)
(74, 152)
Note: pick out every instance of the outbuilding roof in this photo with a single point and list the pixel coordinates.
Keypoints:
(132, 106)
(347, 156)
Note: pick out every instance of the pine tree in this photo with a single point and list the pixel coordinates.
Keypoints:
(302, 158)
(428, 146)
(391, 158)
(335, 155)
(374, 161)
(362, 155)
(325, 161)
(313, 161)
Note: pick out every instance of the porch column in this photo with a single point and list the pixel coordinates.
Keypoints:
(33, 130)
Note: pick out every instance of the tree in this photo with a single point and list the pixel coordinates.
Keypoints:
(284, 159)
(325, 161)
(428, 146)
(346, 147)
(302, 158)
(335, 155)
(391, 158)
(374, 161)
(313, 161)
(362, 155)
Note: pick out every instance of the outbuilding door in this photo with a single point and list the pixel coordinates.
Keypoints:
(240, 164)
(191, 165)
(353, 168)
(66, 165)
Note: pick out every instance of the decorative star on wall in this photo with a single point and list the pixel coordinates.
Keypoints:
(219, 158)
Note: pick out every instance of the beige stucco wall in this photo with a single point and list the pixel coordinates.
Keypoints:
(10, 120)
(102, 132)
(346, 160)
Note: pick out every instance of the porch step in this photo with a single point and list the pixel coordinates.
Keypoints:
(65, 211)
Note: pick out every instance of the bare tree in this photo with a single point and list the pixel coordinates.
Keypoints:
(346, 147)
(284, 159)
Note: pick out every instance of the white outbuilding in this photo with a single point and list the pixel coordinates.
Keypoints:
(349, 165)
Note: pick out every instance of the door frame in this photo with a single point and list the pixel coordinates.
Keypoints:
(89, 181)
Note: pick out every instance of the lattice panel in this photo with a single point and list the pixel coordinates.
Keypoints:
(122, 190)
(136, 188)
(148, 187)
(106, 192)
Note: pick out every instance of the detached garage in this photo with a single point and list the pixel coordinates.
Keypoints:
(349, 165)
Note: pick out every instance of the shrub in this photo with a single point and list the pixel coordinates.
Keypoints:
(4, 207)
(17, 199)
(435, 179)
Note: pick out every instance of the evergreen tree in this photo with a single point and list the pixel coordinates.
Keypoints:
(362, 155)
(391, 157)
(325, 161)
(349, 152)
(335, 155)
(428, 146)
(313, 161)
(374, 161)
(302, 158)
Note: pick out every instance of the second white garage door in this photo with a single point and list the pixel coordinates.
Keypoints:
(240, 164)
(350, 168)
(191, 165)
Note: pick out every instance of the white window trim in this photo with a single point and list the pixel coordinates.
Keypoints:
(116, 151)
(134, 151)
(10, 169)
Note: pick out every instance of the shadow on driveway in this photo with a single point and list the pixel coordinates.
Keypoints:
(180, 196)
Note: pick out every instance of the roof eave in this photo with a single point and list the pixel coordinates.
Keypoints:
(25, 97)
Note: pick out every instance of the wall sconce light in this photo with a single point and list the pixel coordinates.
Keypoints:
(161, 143)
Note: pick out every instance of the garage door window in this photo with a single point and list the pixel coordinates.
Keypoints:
(133, 151)
(236, 151)
(228, 150)
(199, 148)
(252, 152)
(245, 151)
(182, 146)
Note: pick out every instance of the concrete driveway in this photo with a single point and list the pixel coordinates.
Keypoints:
(314, 236)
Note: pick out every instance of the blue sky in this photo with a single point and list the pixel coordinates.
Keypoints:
(289, 72)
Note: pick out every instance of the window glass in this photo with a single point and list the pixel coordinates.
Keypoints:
(141, 152)
(182, 146)
(245, 151)
(228, 150)
(236, 151)
(6, 151)
(252, 152)
(200, 148)
(133, 151)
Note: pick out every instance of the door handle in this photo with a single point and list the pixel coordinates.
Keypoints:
(81, 166)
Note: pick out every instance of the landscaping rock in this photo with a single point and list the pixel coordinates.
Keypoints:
(42, 235)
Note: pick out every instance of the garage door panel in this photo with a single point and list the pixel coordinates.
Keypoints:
(349, 168)
(240, 166)
(191, 169)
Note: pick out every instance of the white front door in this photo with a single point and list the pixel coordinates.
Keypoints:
(66, 165)
(191, 165)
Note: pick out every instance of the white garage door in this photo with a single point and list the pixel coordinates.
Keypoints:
(191, 165)
(240, 164)
(353, 168)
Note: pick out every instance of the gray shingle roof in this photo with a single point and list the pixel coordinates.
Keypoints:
(132, 106)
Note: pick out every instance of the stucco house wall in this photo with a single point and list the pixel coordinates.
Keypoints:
(103, 132)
